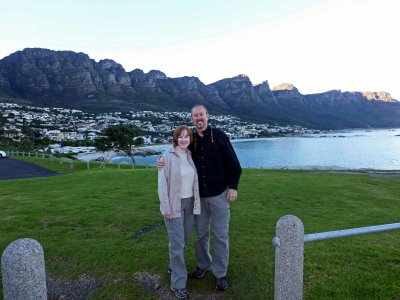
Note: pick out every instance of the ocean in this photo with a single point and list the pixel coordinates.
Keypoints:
(377, 149)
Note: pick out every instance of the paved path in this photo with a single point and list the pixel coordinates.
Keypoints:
(16, 169)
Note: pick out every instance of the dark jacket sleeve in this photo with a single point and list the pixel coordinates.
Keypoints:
(231, 163)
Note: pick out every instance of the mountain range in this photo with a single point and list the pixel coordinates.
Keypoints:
(44, 77)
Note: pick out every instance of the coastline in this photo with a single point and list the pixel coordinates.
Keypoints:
(108, 156)
(351, 150)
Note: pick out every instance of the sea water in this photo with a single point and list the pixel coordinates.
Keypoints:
(349, 149)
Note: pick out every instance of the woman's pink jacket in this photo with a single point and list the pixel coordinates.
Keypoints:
(170, 184)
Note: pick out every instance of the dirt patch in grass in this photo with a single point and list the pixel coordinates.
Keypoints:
(62, 289)
(135, 234)
(153, 284)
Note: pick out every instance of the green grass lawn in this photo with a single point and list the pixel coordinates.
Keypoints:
(90, 221)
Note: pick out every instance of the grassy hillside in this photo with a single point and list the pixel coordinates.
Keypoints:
(106, 224)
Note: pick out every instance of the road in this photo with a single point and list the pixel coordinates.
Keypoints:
(16, 169)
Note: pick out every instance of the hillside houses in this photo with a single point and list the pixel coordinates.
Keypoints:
(60, 124)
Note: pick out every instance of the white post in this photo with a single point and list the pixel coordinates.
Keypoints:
(289, 258)
(23, 271)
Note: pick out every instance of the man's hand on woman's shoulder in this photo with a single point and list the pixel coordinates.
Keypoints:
(160, 163)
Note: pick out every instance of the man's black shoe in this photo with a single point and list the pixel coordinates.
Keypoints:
(199, 273)
(222, 284)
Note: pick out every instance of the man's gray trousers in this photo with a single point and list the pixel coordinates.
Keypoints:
(215, 211)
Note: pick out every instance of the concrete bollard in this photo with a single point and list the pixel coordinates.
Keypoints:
(289, 258)
(23, 271)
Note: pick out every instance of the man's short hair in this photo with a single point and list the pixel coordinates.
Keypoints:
(199, 105)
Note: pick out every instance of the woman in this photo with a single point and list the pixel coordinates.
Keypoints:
(178, 189)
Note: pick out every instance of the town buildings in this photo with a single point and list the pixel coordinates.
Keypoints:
(67, 125)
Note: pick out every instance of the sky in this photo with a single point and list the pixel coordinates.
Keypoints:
(316, 45)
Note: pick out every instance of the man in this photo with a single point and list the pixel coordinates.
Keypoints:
(219, 172)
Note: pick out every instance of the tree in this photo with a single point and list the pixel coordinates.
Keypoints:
(122, 137)
(25, 143)
(103, 144)
(42, 143)
(30, 133)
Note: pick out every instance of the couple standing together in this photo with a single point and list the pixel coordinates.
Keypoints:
(197, 179)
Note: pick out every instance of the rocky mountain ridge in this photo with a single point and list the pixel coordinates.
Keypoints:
(74, 80)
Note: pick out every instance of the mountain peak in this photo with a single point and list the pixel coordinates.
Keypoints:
(285, 86)
(156, 74)
(379, 96)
